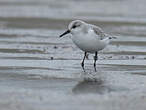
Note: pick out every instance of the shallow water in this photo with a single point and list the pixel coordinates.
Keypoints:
(38, 70)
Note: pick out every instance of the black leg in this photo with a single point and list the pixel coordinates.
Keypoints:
(82, 64)
(95, 59)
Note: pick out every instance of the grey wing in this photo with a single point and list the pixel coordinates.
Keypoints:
(99, 31)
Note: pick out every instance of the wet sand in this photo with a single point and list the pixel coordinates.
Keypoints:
(40, 71)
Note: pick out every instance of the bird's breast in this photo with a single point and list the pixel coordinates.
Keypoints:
(88, 42)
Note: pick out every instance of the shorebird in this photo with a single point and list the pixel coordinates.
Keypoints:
(89, 38)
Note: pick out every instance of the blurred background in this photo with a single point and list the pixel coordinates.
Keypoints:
(38, 70)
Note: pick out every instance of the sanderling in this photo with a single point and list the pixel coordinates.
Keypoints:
(88, 37)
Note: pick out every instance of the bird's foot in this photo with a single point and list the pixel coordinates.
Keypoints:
(95, 67)
(82, 64)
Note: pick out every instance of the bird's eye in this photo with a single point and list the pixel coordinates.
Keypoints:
(74, 26)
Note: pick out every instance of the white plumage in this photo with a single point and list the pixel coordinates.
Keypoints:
(88, 37)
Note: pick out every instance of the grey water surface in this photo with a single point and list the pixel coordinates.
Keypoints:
(40, 71)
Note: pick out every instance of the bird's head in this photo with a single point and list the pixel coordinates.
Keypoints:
(75, 27)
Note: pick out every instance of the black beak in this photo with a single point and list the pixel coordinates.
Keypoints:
(66, 32)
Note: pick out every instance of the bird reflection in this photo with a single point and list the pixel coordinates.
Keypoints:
(90, 86)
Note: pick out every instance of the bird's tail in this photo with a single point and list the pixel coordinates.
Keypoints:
(112, 37)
